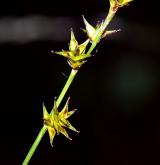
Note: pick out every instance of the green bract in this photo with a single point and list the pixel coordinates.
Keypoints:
(106, 33)
(91, 31)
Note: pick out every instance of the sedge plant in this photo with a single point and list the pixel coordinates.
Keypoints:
(77, 54)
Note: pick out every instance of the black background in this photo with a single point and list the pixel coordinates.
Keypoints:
(116, 92)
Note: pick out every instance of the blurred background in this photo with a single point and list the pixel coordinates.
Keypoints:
(117, 92)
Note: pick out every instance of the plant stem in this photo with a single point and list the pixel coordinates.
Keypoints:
(44, 129)
(35, 145)
(66, 87)
(109, 17)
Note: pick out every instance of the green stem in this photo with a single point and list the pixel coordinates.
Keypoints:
(67, 85)
(109, 17)
(43, 130)
(34, 146)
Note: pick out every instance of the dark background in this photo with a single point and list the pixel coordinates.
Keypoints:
(116, 92)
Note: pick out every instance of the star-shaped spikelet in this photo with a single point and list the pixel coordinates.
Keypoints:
(76, 55)
(56, 122)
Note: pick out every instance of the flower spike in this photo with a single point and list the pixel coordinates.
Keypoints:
(56, 122)
(76, 55)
